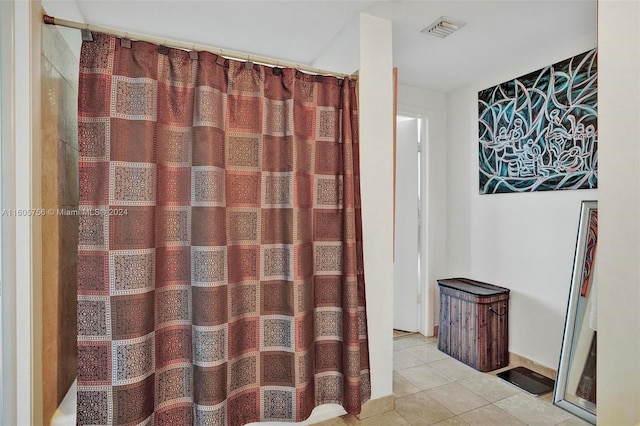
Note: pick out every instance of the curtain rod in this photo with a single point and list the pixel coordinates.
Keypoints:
(50, 20)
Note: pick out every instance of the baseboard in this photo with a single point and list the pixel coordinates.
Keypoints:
(377, 406)
(515, 360)
(435, 331)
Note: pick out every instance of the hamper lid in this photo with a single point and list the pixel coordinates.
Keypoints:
(472, 286)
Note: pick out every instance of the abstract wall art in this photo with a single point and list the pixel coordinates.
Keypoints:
(539, 132)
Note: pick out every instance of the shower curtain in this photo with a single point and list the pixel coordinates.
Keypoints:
(220, 276)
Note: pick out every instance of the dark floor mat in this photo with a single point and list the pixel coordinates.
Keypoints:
(527, 380)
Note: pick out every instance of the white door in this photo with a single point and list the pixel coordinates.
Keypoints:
(406, 273)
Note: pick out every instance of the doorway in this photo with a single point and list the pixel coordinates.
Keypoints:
(408, 253)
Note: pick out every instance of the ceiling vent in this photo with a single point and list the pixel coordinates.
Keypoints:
(443, 27)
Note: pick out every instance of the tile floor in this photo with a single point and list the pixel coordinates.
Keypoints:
(431, 388)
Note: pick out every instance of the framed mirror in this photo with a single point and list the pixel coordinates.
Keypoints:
(575, 388)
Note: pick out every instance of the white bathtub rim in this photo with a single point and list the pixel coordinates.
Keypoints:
(66, 414)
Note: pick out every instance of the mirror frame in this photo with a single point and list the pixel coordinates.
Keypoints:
(560, 390)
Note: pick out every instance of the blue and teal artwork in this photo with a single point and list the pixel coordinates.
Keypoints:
(539, 132)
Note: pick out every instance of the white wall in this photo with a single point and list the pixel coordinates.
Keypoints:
(524, 242)
(70, 11)
(342, 54)
(373, 36)
(430, 104)
(619, 214)
(20, 190)
(376, 170)
(7, 260)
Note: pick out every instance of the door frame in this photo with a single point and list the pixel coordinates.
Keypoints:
(425, 325)
(407, 304)
(21, 233)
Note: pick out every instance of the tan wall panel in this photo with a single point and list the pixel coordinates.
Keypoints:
(59, 232)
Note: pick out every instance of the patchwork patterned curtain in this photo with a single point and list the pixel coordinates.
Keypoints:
(220, 276)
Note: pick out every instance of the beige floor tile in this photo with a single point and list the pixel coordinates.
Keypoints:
(403, 359)
(386, 419)
(350, 419)
(338, 421)
(490, 415)
(420, 409)
(533, 411)
(431, 387)
(411, 341)
(574, 421)
(456, 398)
(399, 333)
(453, 368)
(424, 377)
(432, 340)
(427, 353)
(489, 387)
(453, 421)
(547, 397)
(401, 386)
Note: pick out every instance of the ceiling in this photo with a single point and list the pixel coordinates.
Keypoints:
(497, 34)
